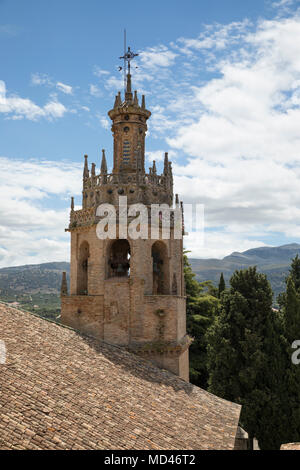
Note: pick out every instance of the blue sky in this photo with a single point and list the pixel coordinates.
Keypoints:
(222, 79)
(66, 40)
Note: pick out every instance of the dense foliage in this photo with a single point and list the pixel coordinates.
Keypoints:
(243, 346)
(290, 309)
(202, 304)
(245, 360)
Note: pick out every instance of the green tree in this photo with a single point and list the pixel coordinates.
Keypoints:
(295, 272)
(291, 323)
(294, 275)
(202, 303)
(192, 286)
(222, 285)
(245, 360)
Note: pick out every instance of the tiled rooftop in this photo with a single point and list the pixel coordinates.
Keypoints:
(61, 390)
(292, 446)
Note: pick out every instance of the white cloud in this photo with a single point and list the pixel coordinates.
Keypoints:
(159, 155)
(95, 91)
(9, 30)
(41, 79)
(244, 142)
(159, 56)
(98, 72)
(227, 102)
(212, 248)
(15, 107)
(217, 36)
(283, 3)
(67, 89)
(114, 83)
(30, 231)
(105, 123)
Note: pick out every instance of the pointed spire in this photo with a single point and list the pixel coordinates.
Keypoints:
(182, 215)
(93, 171)
(72, 204)
(177, 200)
(135, 101)
(86, 173)
(128, 94)
(118, 100)
(64, 284)
(128, 88)
(143, 102)
(166, 164)
(103, 163)
(171, 173)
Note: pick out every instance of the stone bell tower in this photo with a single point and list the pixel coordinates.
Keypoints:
(128, 291)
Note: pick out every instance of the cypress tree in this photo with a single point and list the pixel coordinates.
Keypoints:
(222, 285)
(202, 302)
(295, 272)
(291, 321)
(245, 356)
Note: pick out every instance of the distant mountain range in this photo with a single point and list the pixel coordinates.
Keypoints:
(38, 281)
(30, 279)
(272, 261)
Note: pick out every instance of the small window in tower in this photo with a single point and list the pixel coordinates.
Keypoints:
(126, 129)
(126, 151)
(119, 259)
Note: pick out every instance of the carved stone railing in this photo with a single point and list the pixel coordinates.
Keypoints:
(82, 217)
(93, 182)
(88, 217)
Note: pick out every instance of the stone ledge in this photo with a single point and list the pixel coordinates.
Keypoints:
(169, 348)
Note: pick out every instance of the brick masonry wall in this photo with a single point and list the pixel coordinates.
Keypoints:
(83, 313)
(173, 322)
(117, 311)
(123, 311)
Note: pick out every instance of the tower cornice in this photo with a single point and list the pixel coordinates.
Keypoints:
(130, 109)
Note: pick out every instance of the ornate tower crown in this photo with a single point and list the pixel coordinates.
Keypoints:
(128, 177)
(129, 127)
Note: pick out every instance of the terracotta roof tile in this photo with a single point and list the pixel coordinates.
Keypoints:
(291, 446)
(61, 390)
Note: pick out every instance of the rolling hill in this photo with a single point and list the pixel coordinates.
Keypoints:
(272, 261)
(36, 287)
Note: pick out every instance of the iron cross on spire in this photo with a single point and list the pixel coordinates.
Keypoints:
(127, 57)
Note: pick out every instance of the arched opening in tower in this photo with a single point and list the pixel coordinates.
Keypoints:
(160, 269)
(82, 272)
(119, 259)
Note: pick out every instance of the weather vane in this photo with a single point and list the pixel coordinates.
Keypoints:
(127, 57)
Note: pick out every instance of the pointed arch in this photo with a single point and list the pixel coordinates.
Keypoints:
(118, 259)
(161, 281)
(82, 268)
